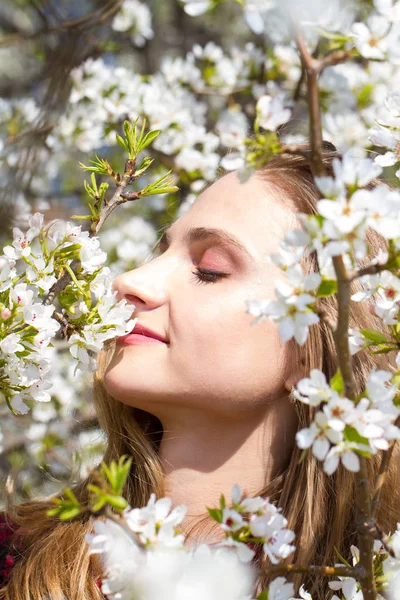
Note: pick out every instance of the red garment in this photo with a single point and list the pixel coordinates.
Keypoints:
(7, 552)
(7, 558)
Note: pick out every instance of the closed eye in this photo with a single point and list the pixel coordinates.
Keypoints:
(207, 276)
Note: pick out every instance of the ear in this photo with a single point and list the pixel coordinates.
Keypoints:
(295, 365)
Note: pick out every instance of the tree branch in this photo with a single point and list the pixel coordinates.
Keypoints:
(335, 58)
(365, 524)
(337, 571)
(341, 333)
(369, 270)
(380, 480)
(119, 197)
(311, 67)
(60, 284)
(96, 17)
(123, 523)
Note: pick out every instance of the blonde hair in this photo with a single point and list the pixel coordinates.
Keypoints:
(54, 563)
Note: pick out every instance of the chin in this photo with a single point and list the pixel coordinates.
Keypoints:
(131, 387)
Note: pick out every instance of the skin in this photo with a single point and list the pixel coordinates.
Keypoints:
(219, 386)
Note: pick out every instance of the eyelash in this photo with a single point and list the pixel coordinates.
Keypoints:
(206, 276)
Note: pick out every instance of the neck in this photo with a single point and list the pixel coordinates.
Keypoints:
(204, 455)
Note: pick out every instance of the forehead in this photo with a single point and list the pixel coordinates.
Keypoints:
(253, 211)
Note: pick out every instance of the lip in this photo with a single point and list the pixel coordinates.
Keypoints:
(141, 334)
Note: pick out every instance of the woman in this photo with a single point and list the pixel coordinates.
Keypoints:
(201, 399)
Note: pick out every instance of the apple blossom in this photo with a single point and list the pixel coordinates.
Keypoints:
(135, 17)
(292, 309)
(280, 589)
(314, 390)
(271, 112)
(319, 436)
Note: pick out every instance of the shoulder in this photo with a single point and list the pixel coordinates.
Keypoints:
(7, 556)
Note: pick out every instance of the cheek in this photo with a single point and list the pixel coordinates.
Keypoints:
(239, 358)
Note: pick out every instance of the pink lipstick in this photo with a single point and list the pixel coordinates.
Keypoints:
(141, 335)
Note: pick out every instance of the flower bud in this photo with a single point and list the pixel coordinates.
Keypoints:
(5, 313)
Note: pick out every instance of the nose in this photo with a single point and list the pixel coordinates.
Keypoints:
(145, 287)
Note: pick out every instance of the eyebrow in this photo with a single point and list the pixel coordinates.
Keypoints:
(201, 234)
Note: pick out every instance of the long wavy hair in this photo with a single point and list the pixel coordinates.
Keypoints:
(53, 561)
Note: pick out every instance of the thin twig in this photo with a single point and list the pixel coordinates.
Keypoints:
(311, 67)
(335, 58)
(338, 571)
(97, 17)
(119, 197)
(380, 480)
(366, 530)
(123, 523)
(342, 329)
(299, 85)
(9, 487)
(369, 270)
(60, 284)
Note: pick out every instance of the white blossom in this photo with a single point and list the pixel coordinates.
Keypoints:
(271, 112)
(134, 16)
(280, 589)
(195, 8)
(156, 523)
(292, 308)
(343, 452)
(318, 436)
(314, 390)
(371, 39)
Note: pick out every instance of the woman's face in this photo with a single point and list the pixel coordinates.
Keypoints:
(193, 294)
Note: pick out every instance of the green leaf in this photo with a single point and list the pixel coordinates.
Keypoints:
(351, 435)
(72, 248)
(396, 379)
(102, 190)
(216, 514)
(117, 502)
(376, 337)
(327, 287)
(122, 143)
(94, 183)
(337, 383)
(100, 503)
(302, 456)
(67, 507)
(148, 139)
(164, 185)
(53, 512)
(222, 501)
(70, 513)
(162, 190)
(116, 473)
(144, 165)
(71, 496)
(99, 166)
(263, 596)
(343, 560)
(95, 489)
(383, 350)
